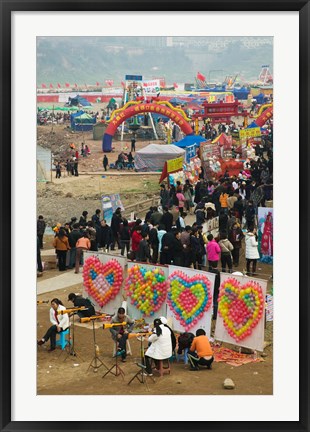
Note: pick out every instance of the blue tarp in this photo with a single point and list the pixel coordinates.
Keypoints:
(78, 100)
(177, 101)
(190, 140)
(241, 93)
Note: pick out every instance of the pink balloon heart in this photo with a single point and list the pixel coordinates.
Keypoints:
(102, 281)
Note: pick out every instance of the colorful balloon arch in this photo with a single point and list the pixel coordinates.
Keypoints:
(134, 108)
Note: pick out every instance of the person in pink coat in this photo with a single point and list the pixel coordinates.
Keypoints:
(213, 252)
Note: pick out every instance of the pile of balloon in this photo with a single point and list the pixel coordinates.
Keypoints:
(189, 297)
(146, 288)
(102, 281)
(241, 307)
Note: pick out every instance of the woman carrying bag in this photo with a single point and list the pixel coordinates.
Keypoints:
(226, 248)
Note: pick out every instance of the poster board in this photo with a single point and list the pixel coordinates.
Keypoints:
(204, 321)
(255, 340)
(265, 234)
(112, 305)
(132, 310)
(109, 204)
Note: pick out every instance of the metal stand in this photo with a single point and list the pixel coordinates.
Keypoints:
(118, 370)
(96, 362)
(140, 375)
(71, 347)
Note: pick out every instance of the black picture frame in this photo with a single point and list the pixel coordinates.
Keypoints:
(6, 9)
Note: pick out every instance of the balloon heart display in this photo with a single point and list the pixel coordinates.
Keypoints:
(102, 281)
(241, 307)
(146, 288)
(189, 297)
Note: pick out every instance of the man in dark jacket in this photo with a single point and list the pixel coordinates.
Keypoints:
(83, 219)
(177, 250)
(164, 196)
(96, 219)
(166, 252)
(116, 228)
(73, 237)
(239, 208)
(104, 236)
(235, 236)
(154, 242)
(80, 301)
(41, 225)
(156, 217)
(250, 215)
(143, 253)
(125, 238)
(167, 219)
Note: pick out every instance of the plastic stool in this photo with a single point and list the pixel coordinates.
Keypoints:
(62, 341)
(128, 348)
(184, 355)
(162, 368)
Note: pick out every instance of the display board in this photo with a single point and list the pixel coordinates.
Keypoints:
(241, 307)
(146, 288)
(190, 299)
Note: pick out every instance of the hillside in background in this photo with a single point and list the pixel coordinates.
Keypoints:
(91, 59)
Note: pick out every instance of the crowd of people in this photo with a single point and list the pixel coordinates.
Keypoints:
(164, 236)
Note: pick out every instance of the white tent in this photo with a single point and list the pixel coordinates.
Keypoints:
(154, 156)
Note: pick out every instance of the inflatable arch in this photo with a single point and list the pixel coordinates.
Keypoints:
(133, 108)
(264, 115)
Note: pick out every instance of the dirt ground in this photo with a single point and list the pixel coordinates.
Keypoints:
(60, 373)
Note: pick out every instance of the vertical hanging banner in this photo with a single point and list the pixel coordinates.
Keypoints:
(146, 287)
(190, 299)
(241, 308)
(265, 234)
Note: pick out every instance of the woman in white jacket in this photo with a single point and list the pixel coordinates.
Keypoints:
(161, 345)
(251, 251)
(60, 322)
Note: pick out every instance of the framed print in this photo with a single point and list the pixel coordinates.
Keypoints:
(46, 66)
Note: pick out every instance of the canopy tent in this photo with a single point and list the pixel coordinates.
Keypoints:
(78, 100)
(154, 156)
(190, 140)
(81, 121)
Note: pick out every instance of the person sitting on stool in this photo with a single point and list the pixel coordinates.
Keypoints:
(79, 301)
(160, 347)
(60, 323)
(200, 352)
(120, 333)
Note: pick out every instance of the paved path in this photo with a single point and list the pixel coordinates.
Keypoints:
(63, 280)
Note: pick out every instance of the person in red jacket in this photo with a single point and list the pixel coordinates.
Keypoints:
(136, 237)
